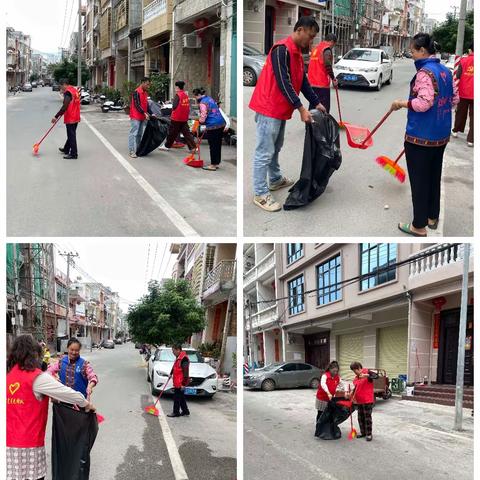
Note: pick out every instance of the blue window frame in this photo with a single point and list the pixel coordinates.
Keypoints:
(329, 276)
(294, 252)
(295, 295)
(375, 258)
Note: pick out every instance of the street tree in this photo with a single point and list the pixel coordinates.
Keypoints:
(68, 69)
(167, 314)
(446, 33)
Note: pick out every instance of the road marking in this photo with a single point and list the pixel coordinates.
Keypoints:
(442, 432)
(288, 453)
(180, 223)
(175, 460)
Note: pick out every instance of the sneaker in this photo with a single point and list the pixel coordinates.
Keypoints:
(284, 182)
(266, 202)
(173, 415)
(70, 157)
(133, 155)
(163, 148)
(454, 134)
(470, 144)
(61, 150)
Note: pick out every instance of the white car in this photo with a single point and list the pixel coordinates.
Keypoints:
(364, 67)
(203, 378)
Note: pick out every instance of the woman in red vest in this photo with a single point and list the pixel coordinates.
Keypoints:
(329, 384)
(179, 119)
(363, 398)
(465, 92)
(181, 379)
(28, 390)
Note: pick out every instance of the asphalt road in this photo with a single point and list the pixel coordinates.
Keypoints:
(410, 440)
(105, 192)
(361, 198)
(132, 444)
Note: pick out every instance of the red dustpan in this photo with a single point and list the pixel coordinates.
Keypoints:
(191, 161)
(152, 409)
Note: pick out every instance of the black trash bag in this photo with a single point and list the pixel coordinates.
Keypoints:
(73, 436)
(321, 157)
(155, 133)
(327, 425)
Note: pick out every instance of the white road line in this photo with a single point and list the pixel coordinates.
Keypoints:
(180, 223)
(175, 460)
(288, 453)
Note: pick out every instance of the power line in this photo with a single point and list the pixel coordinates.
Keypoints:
(146, 269)
(64, 21)
(154, 260)
(166, 265)
(161, 261)
(70, 29)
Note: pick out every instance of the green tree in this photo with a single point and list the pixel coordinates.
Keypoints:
(446, 33)
(34, 77)
(68, 69)
(166, 315)
(159, 86)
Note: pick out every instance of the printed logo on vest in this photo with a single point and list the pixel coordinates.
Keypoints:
(13, 387)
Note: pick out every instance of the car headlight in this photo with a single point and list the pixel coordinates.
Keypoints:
(339, 67)
(212, 376)
(371, 69)
(161, 374)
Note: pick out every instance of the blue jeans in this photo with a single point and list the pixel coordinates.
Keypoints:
(135, 136)
(270, 134)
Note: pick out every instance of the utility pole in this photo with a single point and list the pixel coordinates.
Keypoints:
(250, 333)
(16, 291)
(79, 56)
(69, 256)
(461, 340)
(333, 16)
(460, 38)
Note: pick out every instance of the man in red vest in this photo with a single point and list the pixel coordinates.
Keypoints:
(139, 113)
(320, 70)
(274, 100)
(71, 117)
(465, 92)
(181, 379)
(179, 119)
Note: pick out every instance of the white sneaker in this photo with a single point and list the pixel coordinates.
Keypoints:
(454, 134)
(470, 144)
(266, 202)
(282, 183)
(133, 155)
(163, 148)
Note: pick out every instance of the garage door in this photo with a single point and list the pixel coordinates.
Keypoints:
(350, 349)
(392, 350)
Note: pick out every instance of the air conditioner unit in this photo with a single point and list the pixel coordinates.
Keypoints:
(191, 40)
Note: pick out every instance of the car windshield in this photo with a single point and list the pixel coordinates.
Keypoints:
(248, 50)
(363, 55)
(168, 356)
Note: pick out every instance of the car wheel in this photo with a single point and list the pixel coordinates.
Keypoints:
(389, 81)
(268, 385)
(379, 84)
(249, 77)
(154, 391)
(314, 383)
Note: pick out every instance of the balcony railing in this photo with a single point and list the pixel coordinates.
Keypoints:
(154, 9)
(440, 256)
(265, 265)
(221, 273)
(264, 317)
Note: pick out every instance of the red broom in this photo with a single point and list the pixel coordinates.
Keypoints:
(353, 433)
(392, 167)
(37, 145)
(340, 123)
(100, 418)
(190, 160)
(152, 409)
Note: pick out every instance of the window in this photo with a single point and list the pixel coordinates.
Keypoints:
(295, 295)
(303, 366)
(137, 42)
(375, 258)
(294, 252)
(289, 367)
(168, 356)
(329, 276)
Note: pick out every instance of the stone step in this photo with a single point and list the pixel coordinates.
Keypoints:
(442, 388)
(442, 394)
(438, 401)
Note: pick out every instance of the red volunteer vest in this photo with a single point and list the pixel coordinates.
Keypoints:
(317, 73)
(178, 372)
(364, 389)
(465, 85)
(72, 113)
(134, 113)
(182, 112)
(332, 384)
(267, 99)
(26, 416)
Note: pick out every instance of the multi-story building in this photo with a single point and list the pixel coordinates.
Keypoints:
(353, 302)
(18, 58)
(106, 43)
(92, 42)
(39, 66)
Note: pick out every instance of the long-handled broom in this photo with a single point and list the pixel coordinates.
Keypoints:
(340, 123)
(152, 409)
(392, 167)
(353, 433)
(37, 145)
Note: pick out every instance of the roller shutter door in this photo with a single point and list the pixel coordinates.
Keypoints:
(392, 350)
(350, 349)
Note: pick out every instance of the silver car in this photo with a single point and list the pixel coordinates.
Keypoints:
(283, 375)
(253, 62)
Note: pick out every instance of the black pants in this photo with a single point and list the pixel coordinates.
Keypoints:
(214, 138)
(425, 173)
(464, 109)
(180, 127)
(70, 147)
(323, 95)
(365, 418)
(179, 402)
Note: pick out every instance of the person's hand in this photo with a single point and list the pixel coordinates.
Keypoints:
(397, 105)
(54, 120)
(329, 396)
(335, 82)
(90, 407)
(147, 116)
(226, 129)
(182, 388)
(321, 108)
(305, 115)
(90, 388)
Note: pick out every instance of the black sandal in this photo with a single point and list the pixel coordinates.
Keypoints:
(434, 225)
(211, 168)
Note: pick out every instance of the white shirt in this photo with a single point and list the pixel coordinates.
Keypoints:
(323, 383)
(46, 385)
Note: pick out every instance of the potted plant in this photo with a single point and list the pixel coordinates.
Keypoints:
(127, 92)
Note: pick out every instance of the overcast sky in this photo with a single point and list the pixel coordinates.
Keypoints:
(438, 9)
(120, 265)
(44, 21)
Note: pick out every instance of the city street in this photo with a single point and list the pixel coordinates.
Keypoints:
(105, 192)
(361, 198)
(134, 445)
(410, 440)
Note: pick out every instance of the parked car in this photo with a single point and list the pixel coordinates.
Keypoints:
(109, 344)
(138, 345)
(55, 87)
(34, 85)
(203, 378)
(364, 67)
(27, 87)
(283, 375)
(253, 62)
(118, 341)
